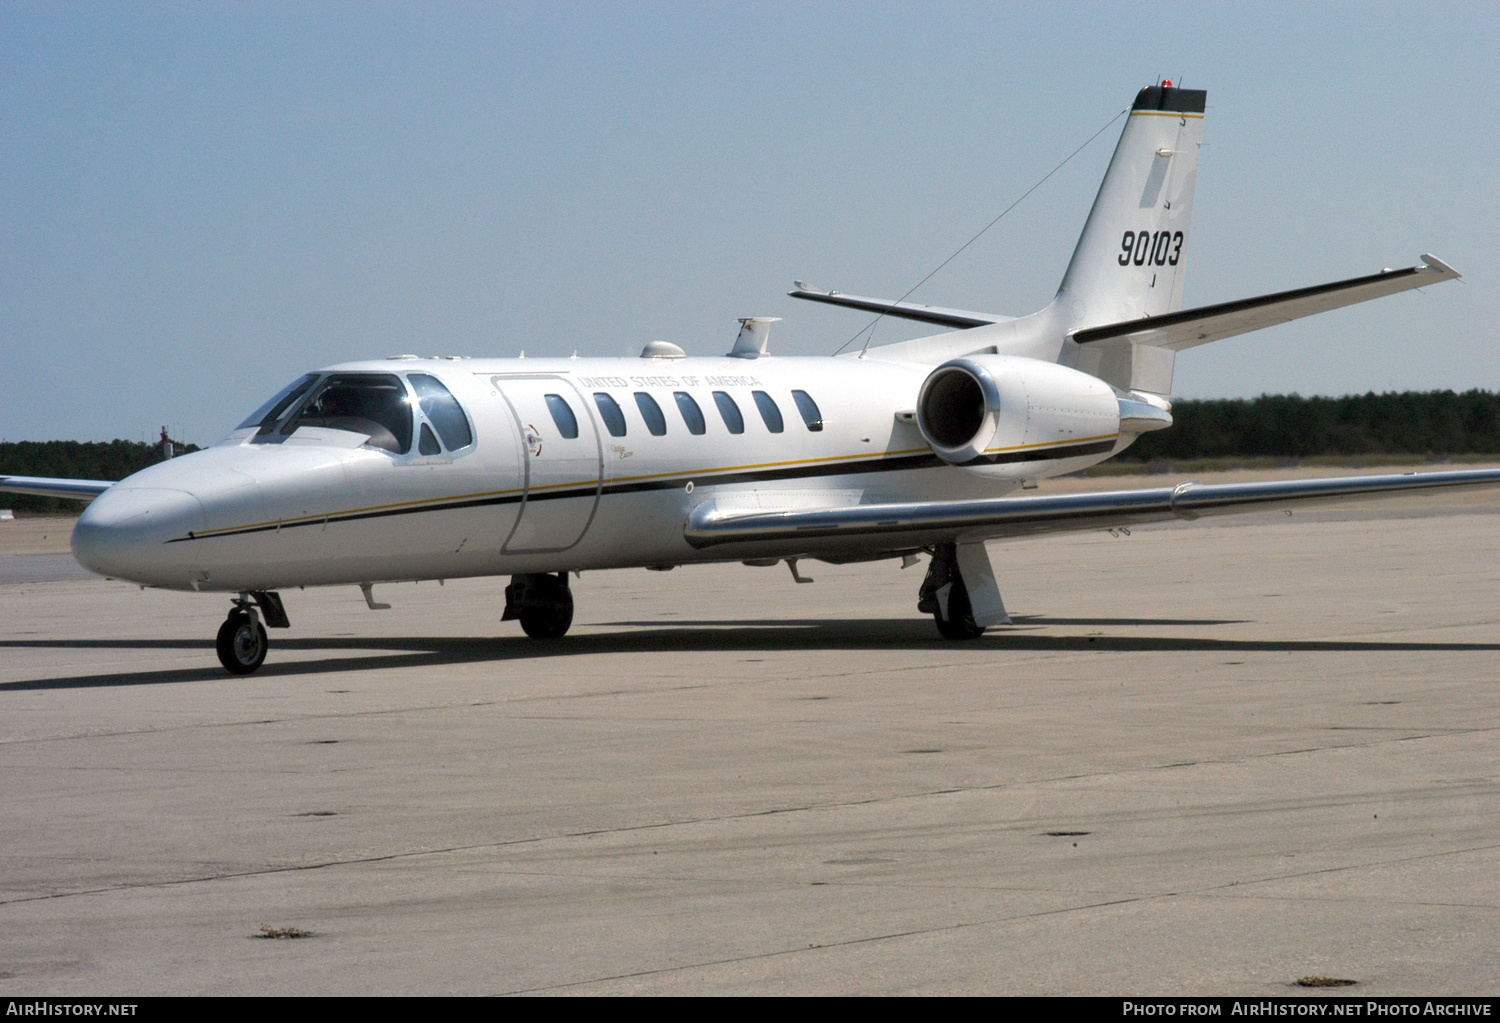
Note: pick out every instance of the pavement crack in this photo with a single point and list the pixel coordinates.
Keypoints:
(824, 946)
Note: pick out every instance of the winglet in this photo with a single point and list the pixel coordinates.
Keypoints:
(1431, 264)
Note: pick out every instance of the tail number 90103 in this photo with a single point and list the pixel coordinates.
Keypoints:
(1161, 248)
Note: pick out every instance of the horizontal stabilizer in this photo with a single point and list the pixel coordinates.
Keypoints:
(961, 319)
(948, 521)
(1190, 327)
(40, 486)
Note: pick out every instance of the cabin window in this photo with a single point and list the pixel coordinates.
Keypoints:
(443, 411)
(768, 411)
(651, 413)
(609, 411)
(691, 413)
(374, 404)
(809, 409)
(272, 411)
(562, 415)
(730, 411)
(426, 443)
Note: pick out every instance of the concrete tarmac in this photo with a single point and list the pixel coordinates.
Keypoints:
(1208, 759)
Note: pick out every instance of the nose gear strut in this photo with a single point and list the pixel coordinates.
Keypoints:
(242, 643)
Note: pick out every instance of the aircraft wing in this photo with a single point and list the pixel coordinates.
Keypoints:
(1190, 327)
(962, 319)
(938, 521)
(41, 486)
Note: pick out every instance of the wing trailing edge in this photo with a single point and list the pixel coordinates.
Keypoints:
(920, 523)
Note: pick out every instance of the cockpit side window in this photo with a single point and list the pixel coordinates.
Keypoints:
(273, 410)
(374, 404)
(443, 411)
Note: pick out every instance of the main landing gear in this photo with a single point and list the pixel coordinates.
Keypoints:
(242, 642)
(959, 592)
(543, 603)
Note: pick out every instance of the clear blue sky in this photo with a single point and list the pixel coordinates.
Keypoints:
(200, 201)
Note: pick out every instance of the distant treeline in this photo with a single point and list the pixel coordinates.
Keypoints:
(1289, 426)
(72, 459)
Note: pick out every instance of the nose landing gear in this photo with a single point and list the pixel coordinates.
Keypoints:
(242, 641)
(543, 603)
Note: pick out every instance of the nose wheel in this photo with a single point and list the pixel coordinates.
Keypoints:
(242, 642)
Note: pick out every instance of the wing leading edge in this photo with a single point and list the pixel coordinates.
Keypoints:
(1188, 328)
(41, 486)
(931, 522)
(961, 319)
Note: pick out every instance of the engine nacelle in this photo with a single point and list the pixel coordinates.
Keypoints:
(1012, 417)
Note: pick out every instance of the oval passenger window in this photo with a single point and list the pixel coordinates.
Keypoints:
(562, 415)
(768, 411)
(651, 413)
(730, 411)
(609, 411)
(691, 413)
(809, 409)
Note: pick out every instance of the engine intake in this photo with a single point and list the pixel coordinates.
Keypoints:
(1001, 415)
(954, 408)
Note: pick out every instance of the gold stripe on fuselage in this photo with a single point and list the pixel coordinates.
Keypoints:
(438, 504)
(1053, 444)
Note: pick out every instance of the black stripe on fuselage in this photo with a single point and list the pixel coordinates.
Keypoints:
(901, 463)
(1045, 454)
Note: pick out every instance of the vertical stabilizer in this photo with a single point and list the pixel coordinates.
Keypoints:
(1130, 258)
(1128, 264)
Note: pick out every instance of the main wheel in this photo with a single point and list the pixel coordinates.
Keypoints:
(550, 620)
(241, 644)
(959, 624)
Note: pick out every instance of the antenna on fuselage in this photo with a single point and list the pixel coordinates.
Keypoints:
(755, 332)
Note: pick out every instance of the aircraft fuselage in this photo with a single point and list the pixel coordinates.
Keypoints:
(319, 506)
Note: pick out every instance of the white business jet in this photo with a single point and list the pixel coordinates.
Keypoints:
(404, 469)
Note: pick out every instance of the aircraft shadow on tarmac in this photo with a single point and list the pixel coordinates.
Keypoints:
(707, 636)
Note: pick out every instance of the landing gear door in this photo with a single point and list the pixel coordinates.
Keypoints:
(563, 462)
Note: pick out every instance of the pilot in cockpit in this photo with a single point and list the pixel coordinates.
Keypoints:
(375, 408)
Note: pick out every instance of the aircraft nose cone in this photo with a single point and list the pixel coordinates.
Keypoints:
(140, 534)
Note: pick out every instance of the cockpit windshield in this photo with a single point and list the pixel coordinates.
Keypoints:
(274, 409)
(375, 404)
